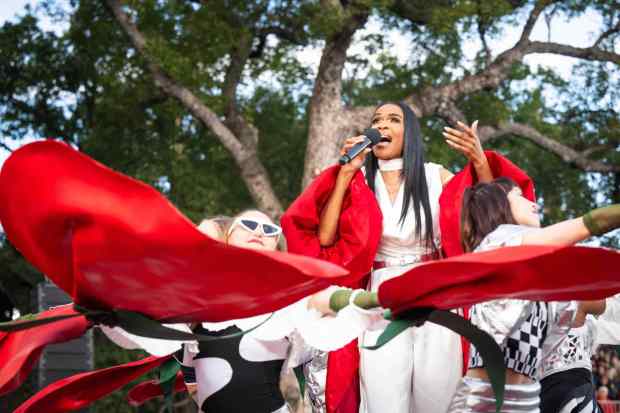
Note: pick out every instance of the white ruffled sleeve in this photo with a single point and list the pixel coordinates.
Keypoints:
(154, 346)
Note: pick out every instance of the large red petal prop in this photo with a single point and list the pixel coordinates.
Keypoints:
(20, 350)
(148, 390)
(359, 227)
(112, 242)
(452, 197)
(530, 272)
(80, 390)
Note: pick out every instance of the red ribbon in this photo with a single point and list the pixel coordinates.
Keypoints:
(20, 350)
(80, 390)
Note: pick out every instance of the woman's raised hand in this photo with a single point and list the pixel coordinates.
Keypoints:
(357, 162)
(465, 140)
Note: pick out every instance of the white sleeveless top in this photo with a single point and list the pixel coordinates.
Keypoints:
(399, 242)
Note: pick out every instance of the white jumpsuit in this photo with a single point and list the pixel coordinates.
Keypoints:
(419, 370)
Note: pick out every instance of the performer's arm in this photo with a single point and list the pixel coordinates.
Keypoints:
(584, 308)
(328, 224)
(596, 222)
(466, 141)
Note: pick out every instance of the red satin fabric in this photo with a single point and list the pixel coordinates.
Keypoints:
(148, 390)
(451, 198)
(359, 227)
(342, 389)
(112, 242)
(545, 273)
(359, 232)
(80, 390)
(20, 350)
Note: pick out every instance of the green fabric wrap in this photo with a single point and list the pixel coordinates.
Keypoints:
(364, 299)
(602, 220)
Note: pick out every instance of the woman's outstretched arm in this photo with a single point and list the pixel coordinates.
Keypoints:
(596, 222)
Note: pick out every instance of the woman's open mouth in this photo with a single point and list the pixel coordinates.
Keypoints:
(385, 141)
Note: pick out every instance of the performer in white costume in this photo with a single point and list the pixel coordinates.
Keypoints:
(427, 359)
(419, 369)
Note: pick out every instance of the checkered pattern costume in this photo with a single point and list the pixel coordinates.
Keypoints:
(520, 327)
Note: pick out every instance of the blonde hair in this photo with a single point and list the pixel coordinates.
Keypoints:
(219, 224)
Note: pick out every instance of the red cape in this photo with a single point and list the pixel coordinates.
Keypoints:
(80, 390)
(359, 227)
(20, 350)
(92, 231)
(359, 232)
(451, 198)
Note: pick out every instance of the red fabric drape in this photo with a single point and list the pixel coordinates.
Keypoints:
(147, 390)
(92, 230)
(20, 350)
(80, 390)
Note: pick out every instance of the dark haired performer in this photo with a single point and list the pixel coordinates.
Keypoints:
(497, 215)
(419, 369)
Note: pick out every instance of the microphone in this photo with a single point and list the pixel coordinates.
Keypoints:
(371, 138)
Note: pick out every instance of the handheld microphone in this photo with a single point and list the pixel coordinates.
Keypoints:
(371, 138)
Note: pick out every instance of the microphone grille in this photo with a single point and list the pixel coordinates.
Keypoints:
(373, 134)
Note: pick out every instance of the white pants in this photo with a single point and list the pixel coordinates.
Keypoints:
(416, 372)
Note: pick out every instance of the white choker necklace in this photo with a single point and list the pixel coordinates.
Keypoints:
(395, 164)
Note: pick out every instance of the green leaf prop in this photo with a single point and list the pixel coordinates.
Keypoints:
(167, 378)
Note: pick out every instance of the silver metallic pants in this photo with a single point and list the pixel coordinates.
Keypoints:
(476, 396)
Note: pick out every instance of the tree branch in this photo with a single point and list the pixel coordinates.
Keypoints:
(566, 153)
(327, 126)
(5, 147)
(252, 170)
(431, 97)
(606, 34)
(587, 53)
(532, 18)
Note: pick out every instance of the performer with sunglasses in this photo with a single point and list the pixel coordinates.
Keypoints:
(243, 373)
